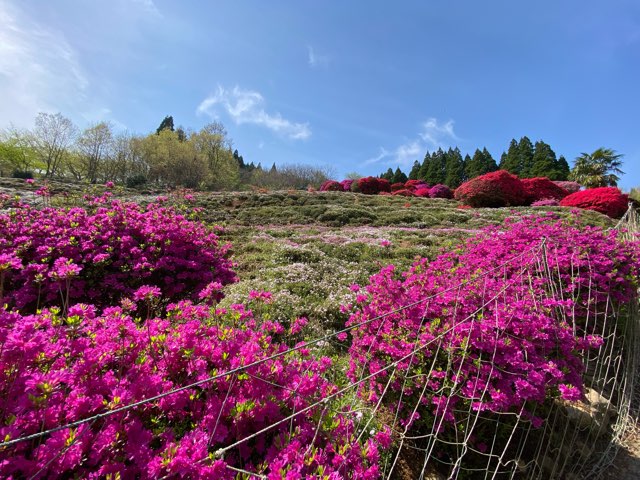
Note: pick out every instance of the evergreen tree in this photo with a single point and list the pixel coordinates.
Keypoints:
(481, 163)
(525, 153)
(510, 161)
(422, 175)
(388, 175)
(415, 171)
(273, 168)
(563, 169)
(166, 124)
(544, 162)
(454, 169)
(489, 163)
(399, 176)
(182, 135)
(435, 171)
(467, 161)
(238, 158)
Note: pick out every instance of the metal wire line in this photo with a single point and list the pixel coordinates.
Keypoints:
(203, 381)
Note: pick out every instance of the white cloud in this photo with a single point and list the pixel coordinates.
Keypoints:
(247, 106)
(148, 6)
(39, 70)
(315, 60)
(437, 135)
(434, 135)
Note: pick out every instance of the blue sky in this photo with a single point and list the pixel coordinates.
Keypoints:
(356, 86)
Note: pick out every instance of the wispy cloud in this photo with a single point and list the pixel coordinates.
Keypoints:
(433, 135)
(247, 106)
(39, 70)
(148, 6)
(315, 60)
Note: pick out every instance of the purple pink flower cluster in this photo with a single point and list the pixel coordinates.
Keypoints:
(110, 250)
(56, 369)
(492, 341)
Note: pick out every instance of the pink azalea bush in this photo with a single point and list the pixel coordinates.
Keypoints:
(56, 369)
(346, 184)
(571, 187)
(108, 251)
(331, 186)
(489, 341)
(440, 191)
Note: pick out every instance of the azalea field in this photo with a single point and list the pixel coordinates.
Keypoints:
(295, 334)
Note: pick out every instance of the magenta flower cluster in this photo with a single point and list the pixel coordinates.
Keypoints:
(109, 251)
(498, 325)
(57, 369)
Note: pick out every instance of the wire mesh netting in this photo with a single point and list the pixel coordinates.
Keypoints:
(460, 434)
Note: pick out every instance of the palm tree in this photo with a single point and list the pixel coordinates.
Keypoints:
(598, 169)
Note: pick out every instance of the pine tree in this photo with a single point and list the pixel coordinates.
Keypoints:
(166, 124)
(454, 169)
(481, 163)
(544, 162)
(525, 153)
(489, 163)
(563, 169)
(510, 161)
(435, 172)
(399, 176)
(467, 161)
(388, 175)
(422, 175)
(415, 171)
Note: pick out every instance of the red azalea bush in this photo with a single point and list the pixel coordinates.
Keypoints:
(495, 189)
(346, 185)
(57, 369)
(415, 184)
(440, 191)
(372, 185)
(540, 188)
(571, 187)
(608, 200)
(55, 256)
(422, 191)
(475, 348)
(397, 186)
(331, 186)
(403, 193)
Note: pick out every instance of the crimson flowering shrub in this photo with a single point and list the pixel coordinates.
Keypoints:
(56, 369)
(105, 253)
(415, 184)
(440, 191)
(608, 200)
(371, 185)
(346, 185)
(331, 186)
(490, 338)
(495, 189)
(397, 186)
(571, 187)
(540, 188)
(422, 191)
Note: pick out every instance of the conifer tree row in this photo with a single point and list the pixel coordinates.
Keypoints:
(522, 158)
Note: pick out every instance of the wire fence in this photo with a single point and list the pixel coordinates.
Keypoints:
(577, 439)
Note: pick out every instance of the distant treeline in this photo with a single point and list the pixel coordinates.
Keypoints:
(450, 168)
(169, 157)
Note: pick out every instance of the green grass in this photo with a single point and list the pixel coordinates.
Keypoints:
(309, 248)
